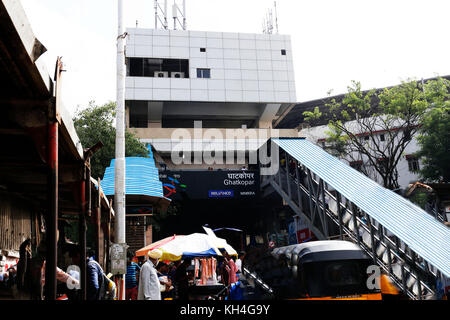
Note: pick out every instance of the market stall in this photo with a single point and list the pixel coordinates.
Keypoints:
(204, 250)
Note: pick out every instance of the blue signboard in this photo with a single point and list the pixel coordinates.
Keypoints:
(221, 193)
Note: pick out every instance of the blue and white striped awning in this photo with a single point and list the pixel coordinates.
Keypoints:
(419, 230)
(141, 178)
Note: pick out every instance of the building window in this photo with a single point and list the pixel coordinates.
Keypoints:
(158, 68)
(413, 163)
(139, 116)
(383, 164)
(204, 73)
(357, 165)
(202, 49)
(382, 138)
(283, 52)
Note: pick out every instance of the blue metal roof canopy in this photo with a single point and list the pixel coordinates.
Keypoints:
(141, 180)
(419, 230)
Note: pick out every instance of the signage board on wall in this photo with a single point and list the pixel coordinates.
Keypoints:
(198, 185)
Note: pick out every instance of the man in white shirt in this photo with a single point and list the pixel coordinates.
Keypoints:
(239, 261)
(149, 286)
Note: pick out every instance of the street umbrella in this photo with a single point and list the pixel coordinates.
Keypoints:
(220, 243)
(180, 247)
(155, 245)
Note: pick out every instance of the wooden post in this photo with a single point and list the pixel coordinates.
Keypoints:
(52, 221)
(82, 236)
(98, 223)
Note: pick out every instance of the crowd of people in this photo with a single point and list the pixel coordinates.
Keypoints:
(158, 280)
(150, 279)
(26, 280)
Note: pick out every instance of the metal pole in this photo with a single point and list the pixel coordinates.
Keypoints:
(82, 236)
(324, 208)
(119, 196)
(52, 230)
(355, 223)
(286, 158)
(339, 212)
(372, 239)
(156, 14)
(184, 15)
(299, 194)
(166, 22)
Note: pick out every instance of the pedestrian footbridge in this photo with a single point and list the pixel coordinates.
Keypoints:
(338, 202)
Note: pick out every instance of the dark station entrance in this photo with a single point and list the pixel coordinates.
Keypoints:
(221, 200)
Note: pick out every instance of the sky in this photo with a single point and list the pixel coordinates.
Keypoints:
(379, 43)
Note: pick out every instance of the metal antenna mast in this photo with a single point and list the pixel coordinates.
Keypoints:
(268, 21)
(161, 15)
(276, 17)
(176, 11)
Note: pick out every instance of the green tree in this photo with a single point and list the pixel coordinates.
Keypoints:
(376, 126)
(94, 124)
(434, 143)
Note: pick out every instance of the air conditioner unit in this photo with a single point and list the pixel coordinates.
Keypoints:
(179, 75)
(161, 74)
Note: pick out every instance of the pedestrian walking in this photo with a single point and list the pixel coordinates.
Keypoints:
(131, 281)
(149, 287)
(223, 270)
(165, 280)
(94, 277)
(38, 273)
(232, 274)
(182, 280)
(239, 261)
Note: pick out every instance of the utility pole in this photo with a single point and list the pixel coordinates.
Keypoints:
(119, 194)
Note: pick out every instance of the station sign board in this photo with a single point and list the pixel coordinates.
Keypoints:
(198, 185)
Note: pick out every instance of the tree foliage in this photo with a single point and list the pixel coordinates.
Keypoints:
(376, 126)
(94, 124)
(434, 142)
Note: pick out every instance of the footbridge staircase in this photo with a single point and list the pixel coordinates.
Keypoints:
(338, 202)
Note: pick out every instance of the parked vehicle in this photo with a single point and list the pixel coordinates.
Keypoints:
(319, 270)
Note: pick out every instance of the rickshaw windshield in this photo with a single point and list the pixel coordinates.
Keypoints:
(336, 278)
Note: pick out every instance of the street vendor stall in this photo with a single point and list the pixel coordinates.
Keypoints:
(204, 250)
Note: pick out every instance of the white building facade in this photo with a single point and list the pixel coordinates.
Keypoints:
(212, 66)
(178, 79)
(407, 166)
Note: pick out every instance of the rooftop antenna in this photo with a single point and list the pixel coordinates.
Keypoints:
(276, 17)
(161, 15)
(270, 21)
(176, 11)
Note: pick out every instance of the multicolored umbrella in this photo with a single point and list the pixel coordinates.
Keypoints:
(194, 245)
(155, 245)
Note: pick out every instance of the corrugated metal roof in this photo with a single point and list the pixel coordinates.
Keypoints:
(419, 230)
(141, 177)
